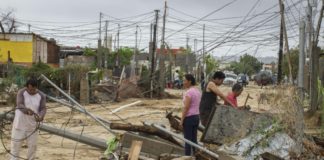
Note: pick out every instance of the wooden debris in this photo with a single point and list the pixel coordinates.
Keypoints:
(269, 156)
(319, 141)
(144, 129)
(135, 150)
(174, 122)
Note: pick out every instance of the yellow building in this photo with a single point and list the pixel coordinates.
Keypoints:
(28, 48)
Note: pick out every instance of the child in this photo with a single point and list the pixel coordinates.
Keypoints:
(232, 96)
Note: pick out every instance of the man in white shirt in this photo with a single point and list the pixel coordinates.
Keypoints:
(30, 109)
(176, 81)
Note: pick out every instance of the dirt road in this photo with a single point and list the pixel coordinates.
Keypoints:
(51, 147)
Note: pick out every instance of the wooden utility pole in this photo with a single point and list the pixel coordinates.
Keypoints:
(99, 56)
(279, 78)
(154, 49)
(162, 56)
(204, 57)
(319, 24)
(196, 60)
(282, 9)
(29, 28)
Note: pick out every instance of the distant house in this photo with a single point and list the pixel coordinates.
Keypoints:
(28, 48)
(269, 67)
(179, 58)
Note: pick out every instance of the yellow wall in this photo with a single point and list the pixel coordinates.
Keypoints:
(19, 51)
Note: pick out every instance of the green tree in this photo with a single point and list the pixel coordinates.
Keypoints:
(88, 52)
(125, 55)
(211, 64)
(294, 58)
(247, 65)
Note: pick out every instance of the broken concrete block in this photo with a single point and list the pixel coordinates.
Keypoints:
(278, 144)
(227, 125)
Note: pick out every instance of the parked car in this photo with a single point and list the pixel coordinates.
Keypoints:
(230, 79)
(264, 78)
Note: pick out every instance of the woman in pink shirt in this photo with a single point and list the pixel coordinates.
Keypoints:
(190, 113)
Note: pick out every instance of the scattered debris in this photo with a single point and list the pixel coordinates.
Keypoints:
(251, 147)
(144, 129)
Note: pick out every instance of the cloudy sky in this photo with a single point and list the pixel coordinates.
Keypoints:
(233, 27)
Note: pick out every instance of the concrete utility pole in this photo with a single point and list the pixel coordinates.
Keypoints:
(133, 63)
(301, 63)
(99, 56)
(187, 54)
(162, 56)
(154, 49)
(310, 53)
(106, 46)
(279, 78)
(204, 57)
(282, 9)
(314, 61)
(117, 56)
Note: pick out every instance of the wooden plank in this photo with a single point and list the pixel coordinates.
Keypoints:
(125, 106)
(135, 150)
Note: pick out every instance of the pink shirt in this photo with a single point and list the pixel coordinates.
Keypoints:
(195, 97)
(231, 97)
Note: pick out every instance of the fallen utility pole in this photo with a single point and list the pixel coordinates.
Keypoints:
(77, 104)
(187, 141)
(65, 103)
(94, 142)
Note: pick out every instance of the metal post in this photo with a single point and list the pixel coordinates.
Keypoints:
(77, 104)
(187, 141)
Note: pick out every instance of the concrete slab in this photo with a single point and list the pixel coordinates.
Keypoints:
(227, 125)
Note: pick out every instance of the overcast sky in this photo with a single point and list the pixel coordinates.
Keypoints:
(235, 27)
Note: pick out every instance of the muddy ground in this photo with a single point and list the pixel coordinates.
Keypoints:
(51, 147)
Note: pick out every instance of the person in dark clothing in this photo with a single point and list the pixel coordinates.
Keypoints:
(209, 96)
(202, 80)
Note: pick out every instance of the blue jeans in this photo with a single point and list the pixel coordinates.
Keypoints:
(190, 127)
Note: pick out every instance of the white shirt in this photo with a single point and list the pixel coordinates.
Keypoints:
(176, 76)
(27, 122)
